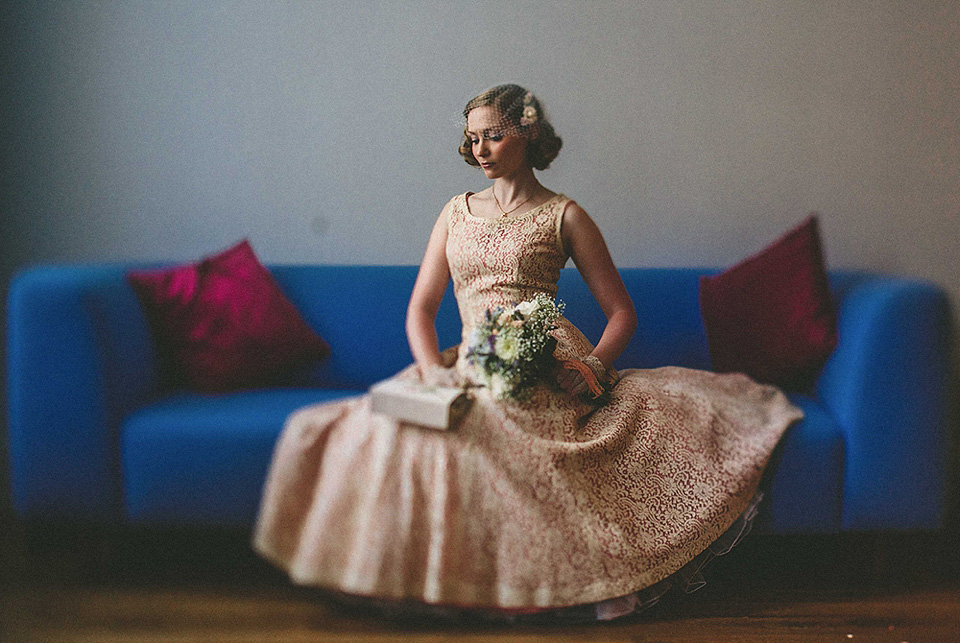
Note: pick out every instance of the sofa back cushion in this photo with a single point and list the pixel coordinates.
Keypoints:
(361, 310)
(670, 331)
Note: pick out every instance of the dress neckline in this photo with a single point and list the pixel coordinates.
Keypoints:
(511, 217)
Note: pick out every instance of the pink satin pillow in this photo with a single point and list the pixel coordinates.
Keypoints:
(771, 316)
(223, 323)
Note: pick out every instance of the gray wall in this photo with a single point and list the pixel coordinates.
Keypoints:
(696, 131)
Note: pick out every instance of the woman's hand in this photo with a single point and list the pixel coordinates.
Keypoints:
(582, 377)
(570, 381)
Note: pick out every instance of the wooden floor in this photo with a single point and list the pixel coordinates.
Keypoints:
(178, 587)
(214, 615)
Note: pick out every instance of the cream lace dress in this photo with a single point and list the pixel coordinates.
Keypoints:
(542, 504)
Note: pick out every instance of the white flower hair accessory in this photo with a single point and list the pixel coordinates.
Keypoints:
(529, 111)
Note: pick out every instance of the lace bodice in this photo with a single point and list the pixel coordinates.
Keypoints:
(498, 262)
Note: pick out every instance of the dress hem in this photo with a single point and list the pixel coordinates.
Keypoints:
(689, 578)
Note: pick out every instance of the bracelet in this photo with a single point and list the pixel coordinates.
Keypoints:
(598, 369)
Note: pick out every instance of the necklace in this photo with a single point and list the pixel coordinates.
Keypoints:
(503, 212)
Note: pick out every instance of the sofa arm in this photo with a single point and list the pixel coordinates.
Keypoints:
(79, 358)
(887, 386)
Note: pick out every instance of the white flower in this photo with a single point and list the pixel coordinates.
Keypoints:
(527, 308)
(507, 345)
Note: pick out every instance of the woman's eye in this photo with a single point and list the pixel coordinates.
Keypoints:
(474, 141)
(495, 137)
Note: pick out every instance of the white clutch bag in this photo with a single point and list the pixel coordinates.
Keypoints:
(436, 407)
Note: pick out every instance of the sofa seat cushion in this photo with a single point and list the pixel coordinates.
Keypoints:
(804, 482)
(202, 459)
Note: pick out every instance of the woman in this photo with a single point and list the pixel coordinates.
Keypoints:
(508, 149)
(547, 507)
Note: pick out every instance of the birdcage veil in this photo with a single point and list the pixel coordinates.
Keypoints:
(516, 112)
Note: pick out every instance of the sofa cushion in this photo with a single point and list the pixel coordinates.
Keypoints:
(771, 316)
(670, 329)
(223, 323)
(360, 312)
(805, 479)
(202, 459)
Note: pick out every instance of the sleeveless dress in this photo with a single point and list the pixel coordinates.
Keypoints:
(549, 505)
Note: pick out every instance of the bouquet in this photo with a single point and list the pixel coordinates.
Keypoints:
(512, 349)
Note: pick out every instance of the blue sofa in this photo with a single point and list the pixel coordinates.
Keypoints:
(94, 437)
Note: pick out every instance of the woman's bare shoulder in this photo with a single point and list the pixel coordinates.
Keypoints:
(577, 228)
(575, 217)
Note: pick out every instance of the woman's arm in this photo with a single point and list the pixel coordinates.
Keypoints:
(427, 295)
(584, 243)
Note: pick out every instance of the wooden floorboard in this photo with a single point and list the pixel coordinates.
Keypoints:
(166, 587)
(221, 615)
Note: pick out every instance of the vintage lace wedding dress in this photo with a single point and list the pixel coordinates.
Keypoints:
(542, 504)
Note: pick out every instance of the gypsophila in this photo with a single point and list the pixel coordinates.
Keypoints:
(512, 348)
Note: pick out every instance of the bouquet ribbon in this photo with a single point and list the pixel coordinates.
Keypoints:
(596, 389)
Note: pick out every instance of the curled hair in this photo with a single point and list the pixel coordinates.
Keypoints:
(511, 101)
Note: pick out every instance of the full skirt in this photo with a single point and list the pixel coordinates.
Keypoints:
(536, 505)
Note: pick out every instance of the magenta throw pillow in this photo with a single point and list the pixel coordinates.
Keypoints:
(771, 316)
(223, 323)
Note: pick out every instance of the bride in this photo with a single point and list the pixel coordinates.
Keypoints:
(550, 506)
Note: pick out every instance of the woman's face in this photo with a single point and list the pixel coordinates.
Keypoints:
(499, 153)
